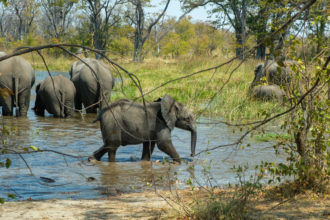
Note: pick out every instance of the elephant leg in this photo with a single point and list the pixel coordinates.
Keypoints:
(168, 148)
(68, 109)
(112, 154)
(105, 100)
(91, 109)
(148, 148)
(24, 102)
(7, 105)
(100, 152)
(104, 149)
(90, 105)
(90, 102)
(78, 102)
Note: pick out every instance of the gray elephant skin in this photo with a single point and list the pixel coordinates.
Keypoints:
(268, 92)
(125, 122)
(273, 73)
(93, 88)
(17, 75)
(56, 96)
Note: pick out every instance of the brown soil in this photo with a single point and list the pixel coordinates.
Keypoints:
(150, 205)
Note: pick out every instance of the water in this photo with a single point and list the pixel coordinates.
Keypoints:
(76, 178)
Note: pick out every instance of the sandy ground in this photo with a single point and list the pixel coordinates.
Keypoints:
(148, 205)
(127, 206)
(303, 206)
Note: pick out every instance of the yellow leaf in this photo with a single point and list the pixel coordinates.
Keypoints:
(34, 148)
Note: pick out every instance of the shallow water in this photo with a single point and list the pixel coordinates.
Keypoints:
(76, 178)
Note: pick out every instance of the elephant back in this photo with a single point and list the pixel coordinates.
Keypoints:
(277, 74)
(268, 92)
(101, 75)
(16, 67)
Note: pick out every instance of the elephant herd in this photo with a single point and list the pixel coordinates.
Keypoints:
(91, 84)
(123, 122)
(269, 79)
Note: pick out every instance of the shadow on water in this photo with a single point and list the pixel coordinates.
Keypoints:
(76, 178)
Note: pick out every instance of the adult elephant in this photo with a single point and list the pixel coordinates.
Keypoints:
(93, 87)
(272, 73)
(267, 92)
(17, 77)
(126, 122)
(56, 95)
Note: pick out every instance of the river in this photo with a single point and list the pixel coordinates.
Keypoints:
(76, 178)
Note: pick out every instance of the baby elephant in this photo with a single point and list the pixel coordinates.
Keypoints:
(57, 98)
(267, 92)
(126, 122)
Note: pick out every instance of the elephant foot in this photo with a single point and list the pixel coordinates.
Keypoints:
(176, 161)
(92, 159)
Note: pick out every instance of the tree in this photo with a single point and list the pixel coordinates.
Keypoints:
(257, 22)
(141, 34)
(57, 14)
(317, 20)
(236, 13)
(103, 15)
(4, 21)
(25, 12)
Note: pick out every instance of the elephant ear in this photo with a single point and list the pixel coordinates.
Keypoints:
(167, 105)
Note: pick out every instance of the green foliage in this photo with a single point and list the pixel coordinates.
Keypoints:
(175, 45)
(188, 38)
(308, 124)
(272, 137)
(123, 46)
(185, 29)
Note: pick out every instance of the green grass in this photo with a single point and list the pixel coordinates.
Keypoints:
(57, 64)
(270, 136)
(201, 93)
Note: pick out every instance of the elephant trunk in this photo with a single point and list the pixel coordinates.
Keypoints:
(193, 140)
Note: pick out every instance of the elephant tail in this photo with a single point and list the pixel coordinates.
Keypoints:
(16, 94)
(98, 118)
(62, 104)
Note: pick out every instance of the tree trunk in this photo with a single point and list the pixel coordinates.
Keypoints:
(261, 52)
(138, 49)
(138, 35)
(320, 36)
(239, 48)
(20, 29)
(240, 28)
(97, 22)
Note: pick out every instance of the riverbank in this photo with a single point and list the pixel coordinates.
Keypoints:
(151, 205)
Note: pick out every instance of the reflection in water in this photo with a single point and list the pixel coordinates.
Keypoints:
(80, 137)
(133, 176)
(17, 130)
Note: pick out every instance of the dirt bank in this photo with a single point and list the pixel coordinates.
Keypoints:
(127, 206)
(148, 205)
